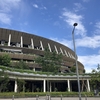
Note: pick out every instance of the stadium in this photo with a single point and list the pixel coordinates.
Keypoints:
(25, 46)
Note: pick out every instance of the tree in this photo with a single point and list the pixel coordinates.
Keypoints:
(21, 65)
(83, 85)
(5, 60)
(73, 69)
(50, 62)
(3, 81)
(20, 84)
(95, 78)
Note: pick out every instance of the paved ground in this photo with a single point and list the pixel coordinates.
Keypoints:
(57, 98)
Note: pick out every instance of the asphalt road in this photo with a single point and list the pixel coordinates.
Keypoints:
(56, 98)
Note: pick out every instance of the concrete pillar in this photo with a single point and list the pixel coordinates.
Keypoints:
(50, 87)
(69, 54)
(56, 49)
(61, 50)
(44, 85)
(49, 47)
(68, 82)
(9, 39)
(21, 41)
(32, 43)
(88, 85)
(66, 53)
(15, 88)
(41, 45)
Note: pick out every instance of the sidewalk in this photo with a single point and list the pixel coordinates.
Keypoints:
(56, 98)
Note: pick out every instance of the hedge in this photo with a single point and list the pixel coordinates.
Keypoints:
(52, 94)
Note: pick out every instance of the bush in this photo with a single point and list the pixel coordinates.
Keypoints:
(52, 94)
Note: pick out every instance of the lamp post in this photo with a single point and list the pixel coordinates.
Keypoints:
(75, 24)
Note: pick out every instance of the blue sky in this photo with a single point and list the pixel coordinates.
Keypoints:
(54, 19)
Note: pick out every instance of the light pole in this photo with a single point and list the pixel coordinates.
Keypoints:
(75, 24)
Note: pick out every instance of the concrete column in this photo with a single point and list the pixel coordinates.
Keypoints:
(68, 82)
(21, 41)
(15, 88)
(44, 85)
(66, 53)
(9, 39)
(88, 85)
(32, 43)
(56, 49)
(41, 45)
(69, 54)
(49, 47)
(50, 87)
(61, 50)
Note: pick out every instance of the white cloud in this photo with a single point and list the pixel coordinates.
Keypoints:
(85, 41)
(91, 23)
(45, 8)
(90, 62)
(86, 0)
(78, 7)
(99, 52)
(39, 7)
(6, 7)
(97, 26)
(35, 5)
(89, 42)
(5, 18)
(57, 23)
(71, 18)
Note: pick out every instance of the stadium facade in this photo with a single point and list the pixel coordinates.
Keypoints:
(25, 46)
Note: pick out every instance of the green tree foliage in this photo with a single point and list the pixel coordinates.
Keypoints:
(21, 65)
(5, 60)
(4, 80)
(73, 69)
(84, 71)
(50, 62)
(95, 78)
(20, 84)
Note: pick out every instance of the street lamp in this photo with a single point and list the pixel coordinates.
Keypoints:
(75, 24)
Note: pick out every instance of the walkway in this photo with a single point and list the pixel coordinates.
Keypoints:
(56, 98)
